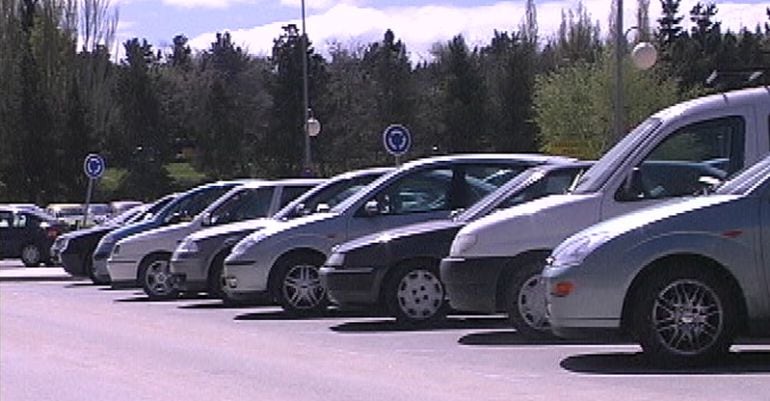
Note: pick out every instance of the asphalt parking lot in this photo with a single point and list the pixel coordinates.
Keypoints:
(64, 339)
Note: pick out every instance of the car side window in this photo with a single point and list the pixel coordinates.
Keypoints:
(19, 220)
(288, 194)
(246, 204)
(687, 161)
(440, 188)
(6, 219)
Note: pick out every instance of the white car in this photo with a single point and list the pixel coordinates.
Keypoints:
(495, 262)
(283, 261)
(144, 257)
(683, 278)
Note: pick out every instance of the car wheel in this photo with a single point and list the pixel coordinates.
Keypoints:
(685, 316)
(298, 286)
(415, 295)
(526, 305)
(31, 255)
(155, 277)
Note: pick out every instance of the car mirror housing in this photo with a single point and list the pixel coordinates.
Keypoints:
(372, 208)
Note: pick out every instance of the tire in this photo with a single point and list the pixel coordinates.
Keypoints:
(525, 302)
(415, 295)
(685, 316)
(155, 278)
(31, 255)
(297, 285)
(215, 285)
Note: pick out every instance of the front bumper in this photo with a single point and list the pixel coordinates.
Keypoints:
(100, 267)
(73, 263)
(352, 286)
(592, 310)
(245, 281)
(123, 271)
(471, 284)
(189, 274)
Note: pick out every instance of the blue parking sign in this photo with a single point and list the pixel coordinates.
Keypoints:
(94, 166)
(397, 139)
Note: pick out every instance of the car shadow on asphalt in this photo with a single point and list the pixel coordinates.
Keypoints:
(634, 363)
(218, 304)
(140, 297)
(274, 313)
(449, 323)
(513, 338)
(78, 285)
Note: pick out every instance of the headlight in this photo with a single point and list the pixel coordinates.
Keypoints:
(336, 259)
(462, 243)
(574, 250)
(187, 246)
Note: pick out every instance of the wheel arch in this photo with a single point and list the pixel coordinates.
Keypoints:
(507, 273)
(665, 262)
(392, 270)
(272, 284)
(146, 258)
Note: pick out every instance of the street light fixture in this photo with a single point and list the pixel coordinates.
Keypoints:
(643, 56)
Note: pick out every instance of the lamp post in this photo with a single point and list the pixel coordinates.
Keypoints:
(643, 56)
(308, 162)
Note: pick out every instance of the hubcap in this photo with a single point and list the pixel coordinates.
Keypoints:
(688, 317)
(531, 303)
(302, 287)
(30, 254)
(420, 294)
(158, 276)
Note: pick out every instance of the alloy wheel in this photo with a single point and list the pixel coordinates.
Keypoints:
(302, 287)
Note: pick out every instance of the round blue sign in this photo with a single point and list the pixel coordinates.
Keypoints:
(94, 166)
(397, 139)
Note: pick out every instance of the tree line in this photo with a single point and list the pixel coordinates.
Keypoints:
(63, 95)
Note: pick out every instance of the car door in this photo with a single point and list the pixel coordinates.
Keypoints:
(765, 244)
(684, 163)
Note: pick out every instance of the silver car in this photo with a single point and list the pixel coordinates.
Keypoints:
(683, 278)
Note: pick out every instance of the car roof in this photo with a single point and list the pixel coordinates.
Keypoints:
(528, 157)
(749, 97)
(283, 182)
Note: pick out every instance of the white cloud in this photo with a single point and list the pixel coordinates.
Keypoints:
(422, 26)
(319, 4)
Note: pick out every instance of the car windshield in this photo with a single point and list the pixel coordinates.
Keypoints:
(482, 207)
(745, 181)
(125, 216)
(595, 177)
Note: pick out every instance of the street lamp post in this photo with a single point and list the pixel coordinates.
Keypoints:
(643, 56)
(308, 162)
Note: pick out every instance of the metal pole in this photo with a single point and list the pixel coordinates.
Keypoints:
(619, 51)
(305, 101)
(88, 200)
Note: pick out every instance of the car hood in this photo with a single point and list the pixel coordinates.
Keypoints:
(86, 232)
(233, 228)
(669, 211)
(411, 230)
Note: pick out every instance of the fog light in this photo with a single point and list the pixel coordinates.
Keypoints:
(232, 282)
(562, 288)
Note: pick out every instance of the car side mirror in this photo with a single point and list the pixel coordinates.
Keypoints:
(206, 219)
(632, 188)
(174, 218)
(300, 210)
(372, 208)
(322, 208)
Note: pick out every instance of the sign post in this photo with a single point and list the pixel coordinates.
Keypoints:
(94, 167)
(397, 140)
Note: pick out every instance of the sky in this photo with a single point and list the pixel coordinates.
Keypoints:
(254, 24)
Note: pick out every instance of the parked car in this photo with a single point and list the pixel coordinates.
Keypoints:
(74, 250)
(684, 279)
(182, 208)
(118, 207)
(70, 214)
(27, 235)
(282, 261)
(397, 269)
(495, 262)
(142, 259)
(197, 263)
